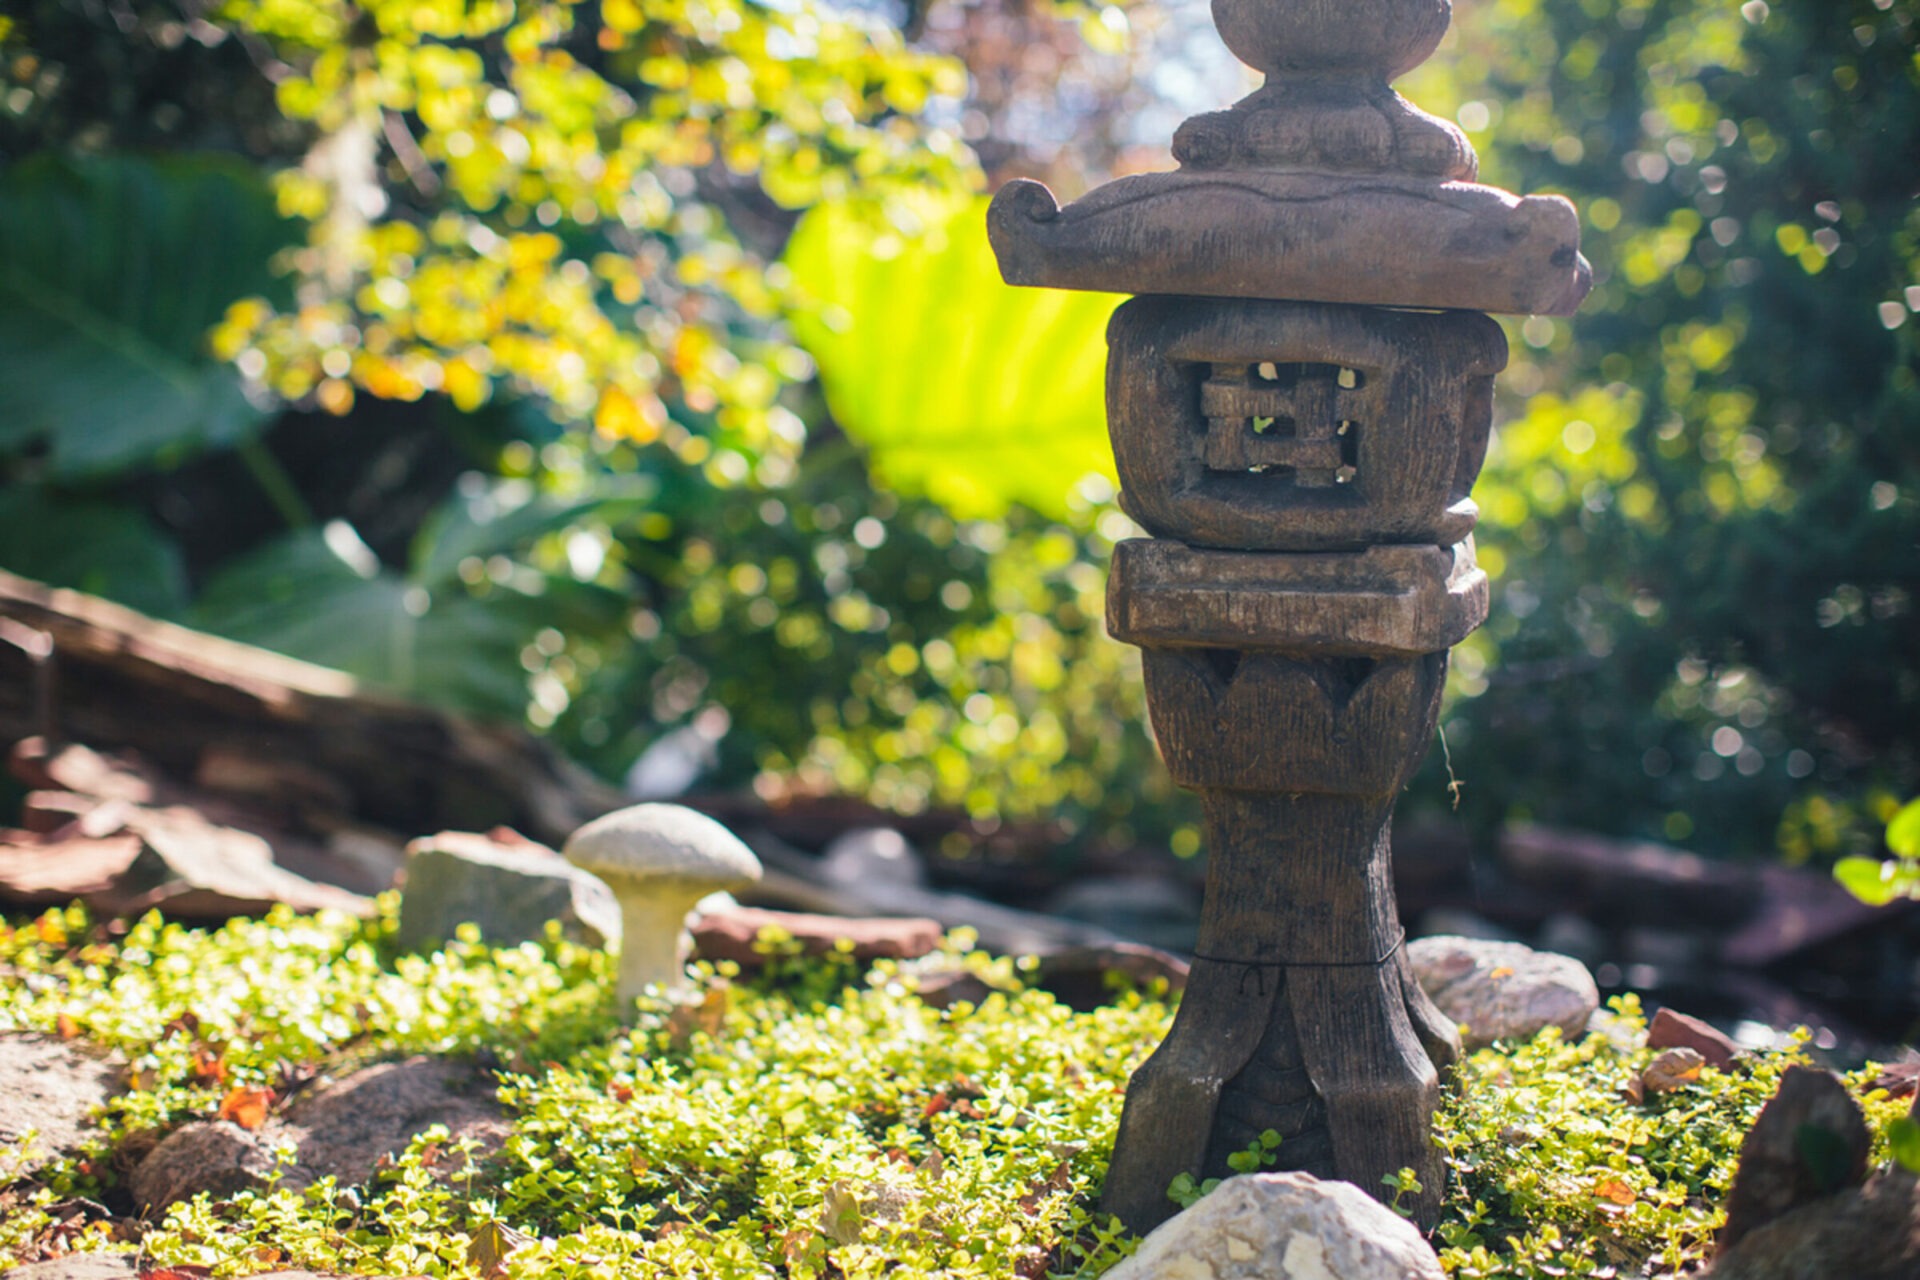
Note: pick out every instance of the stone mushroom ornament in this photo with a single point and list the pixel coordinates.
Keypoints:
(659, 860)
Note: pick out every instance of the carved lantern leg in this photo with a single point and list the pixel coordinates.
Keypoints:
(1304, 468)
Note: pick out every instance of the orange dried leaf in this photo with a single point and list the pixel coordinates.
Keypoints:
(1614, 1191)
(66, 1026)
(246, 1107)
(1671, 1070)
(209, 1064)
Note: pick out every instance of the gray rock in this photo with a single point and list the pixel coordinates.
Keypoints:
(1283, 1226)
(1157, 910)
(346, 1128)
(343, 1129)
(872, 855)
(48, 1088)
(1864, 1233)
(1503, 990)
(507, 885)
(214, 1156)
(78, 1266)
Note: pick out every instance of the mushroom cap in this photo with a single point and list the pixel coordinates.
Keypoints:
(663, 842)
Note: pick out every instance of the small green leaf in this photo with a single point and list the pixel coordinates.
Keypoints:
(1903, 833)
(1868, 879)
(1903, 1140)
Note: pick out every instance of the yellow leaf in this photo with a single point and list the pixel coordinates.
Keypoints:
(621, 417)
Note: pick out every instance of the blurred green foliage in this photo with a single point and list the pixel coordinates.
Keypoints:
(1702, 511)
(961, 388)
(560, 227)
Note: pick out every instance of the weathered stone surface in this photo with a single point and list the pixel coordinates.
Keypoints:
(1371, 39)
(78, 1266)
(1866, 1233)
(507, 885)
(1282, 426)
(343, 1129)
(1277, 437)
(1382, 240)
(1344, 126)
(1384, 602)
(1351, 727)
(1503, 990)
(48, 1087)
(1807, 1143)
(214, 1156)
(1671, 1029)
(1324, 185)
(1265, 1226)
(730, 934)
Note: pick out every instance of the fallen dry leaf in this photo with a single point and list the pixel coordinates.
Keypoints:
(1614, 1191)
(246, 1107)
(210, 1064)
(840, 1216)
(1672, 1070)
(493, 1244)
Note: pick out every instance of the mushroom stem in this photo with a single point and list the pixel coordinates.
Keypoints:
(653, 938)
(659, 860)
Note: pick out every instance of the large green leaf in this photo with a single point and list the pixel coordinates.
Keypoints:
(99, 547)
(322, 595)
(112, 270)
(961, 387)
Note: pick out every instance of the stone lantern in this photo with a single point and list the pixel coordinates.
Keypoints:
(1299, 401)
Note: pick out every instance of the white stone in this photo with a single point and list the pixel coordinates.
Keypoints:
(1503, 990)
(1283, 1226)
(872, 856)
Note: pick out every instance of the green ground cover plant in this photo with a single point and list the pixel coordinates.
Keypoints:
(815, 1120)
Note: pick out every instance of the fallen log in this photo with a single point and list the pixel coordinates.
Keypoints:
(75, 667)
